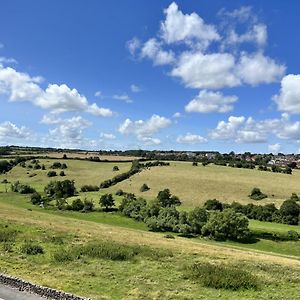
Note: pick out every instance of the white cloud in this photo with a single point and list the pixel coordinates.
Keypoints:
(256, 68)
(274, 148)
(227, 130)
(177, 115)
(152, 49)
(123, 97)
(207, 71)
(133, 45)
(249, 136)
(191, 139)
(288, 99)
(57, 98)
(142, 129)
(98, 94)
(207, 102)
(149, 141)
(242, 14)
(179, 27)
(135, 89)
(108, 136)
(7, 60)
(9, 130)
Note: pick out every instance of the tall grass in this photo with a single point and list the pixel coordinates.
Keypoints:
(222, 277)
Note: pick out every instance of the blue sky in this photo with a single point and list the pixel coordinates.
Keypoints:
(184, 75)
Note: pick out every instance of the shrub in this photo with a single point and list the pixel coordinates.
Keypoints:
(132, 207)
(77, 205)
(56, 165)
(88, 205)
(119, 192)
(144, 188)
(195, 164)
(293, 235)
(289, 211)
(166, 199)
(31, 248)
(89, 188)
(115, 168)
(213, 204)
(22, 188)
(294, 197)
(107, 201)
(62, 173)
(256, 194)
(60, 189)
(226, 224)
(222, 276)
(197, 218)
(51, 174)
(36, 198)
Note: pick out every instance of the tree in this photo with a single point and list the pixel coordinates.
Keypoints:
(256, 194)
(107, 201)
(61, 189)
(166, 199)
(51, 174)
(197, 218)
(88, 205)
(36, 198)
(226, 224)
(213, 204)
(77, 205)
(289, 211)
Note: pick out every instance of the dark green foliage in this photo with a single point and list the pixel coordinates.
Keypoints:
(88, 205)
(132, 207)
(51, 174)
(36, 198)
(60, 189)
(165, 198)
(43, 167)
(89, 188)
(18, 187)
(31, 248)
(195, 164)
(256, 194)
(77, 205)
(213, 204)
(289, 211)
(226, 224)
(62, 173)
(294, 197)
(222, 276)
(5, 166)
(107, 201)
(119, 192)
(293, 235)
(196, 219)
(115, 168)
(144, 188)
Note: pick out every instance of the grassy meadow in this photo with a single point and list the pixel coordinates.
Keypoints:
(194, 185)
(153, 266)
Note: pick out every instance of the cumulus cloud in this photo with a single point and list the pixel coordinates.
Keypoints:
(256, 68)
(133, 45)
(144, 128)
(153, 50)
(274, 148)
(123, 97)
(57, 98)
(10, 130)
(207, 102)
(177, 115)
(149, 141)
(179, 27)
(288, 99)
(191, 139)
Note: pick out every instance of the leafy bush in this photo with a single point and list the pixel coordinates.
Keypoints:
(115, 168)
(107, 201)
(213, 204)
(36, 198)
(77, 205)
(225, 225)
(144, 188)
(256, 194)
(132, 207)
(165, 198)
(22, 188)
(289, 211)
(119, 192)
(60, 189)
(88, 205)
(222, 276)
(51, 174)
(62, 173)
(294, 197)
(89, 188)
(31, 248)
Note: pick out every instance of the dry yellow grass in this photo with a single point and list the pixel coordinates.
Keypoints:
(195, 185)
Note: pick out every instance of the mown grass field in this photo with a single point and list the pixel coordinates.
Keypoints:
(194, 185)
(150, 274)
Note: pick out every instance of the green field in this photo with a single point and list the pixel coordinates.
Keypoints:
(194, 185)
(158, 270)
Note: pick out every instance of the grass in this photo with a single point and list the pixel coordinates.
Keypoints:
(194, 185)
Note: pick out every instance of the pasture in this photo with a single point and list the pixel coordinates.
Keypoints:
(196, 184)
